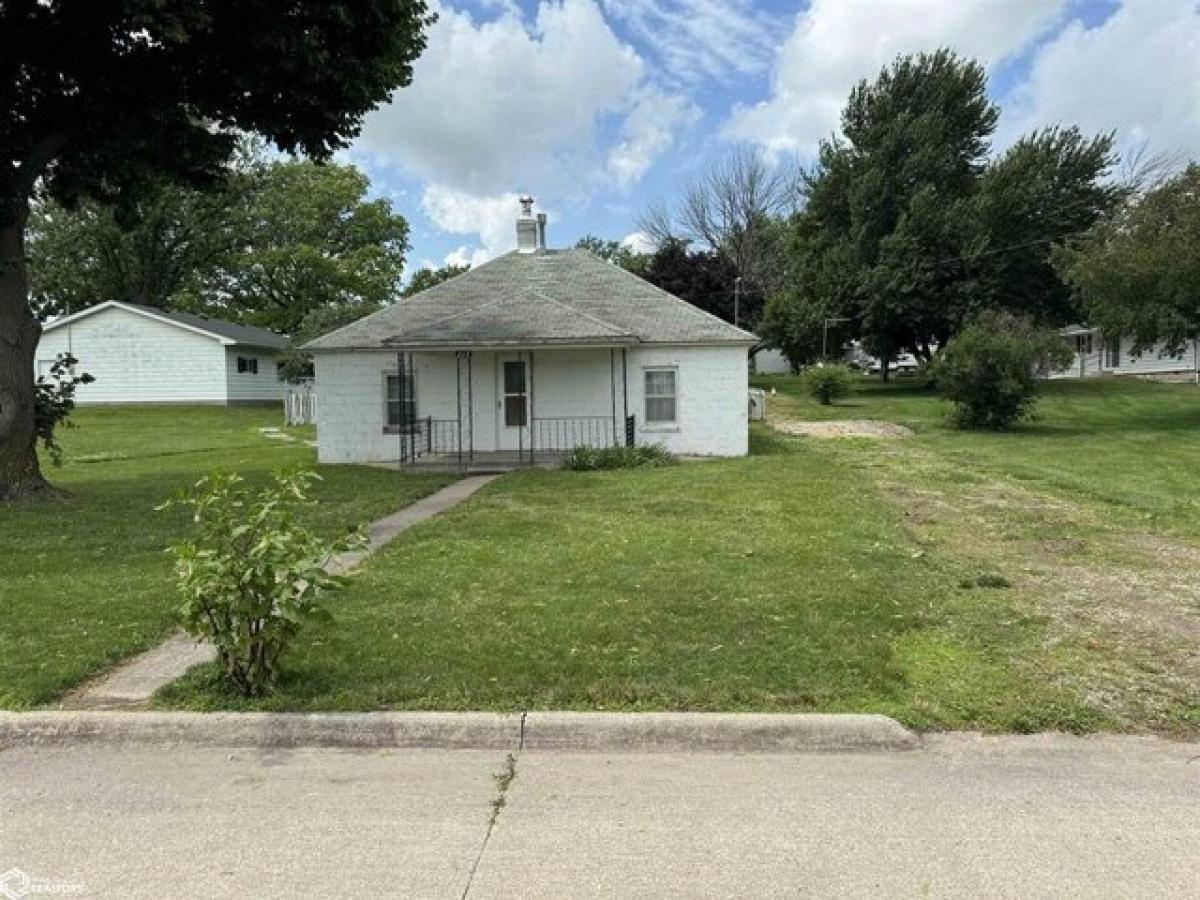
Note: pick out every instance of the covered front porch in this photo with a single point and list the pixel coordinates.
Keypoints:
(494, 409)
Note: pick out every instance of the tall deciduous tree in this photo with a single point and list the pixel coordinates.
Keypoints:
(309, 238)
(145, 251)
(910, 230)
(734, 209)
(425, 278)
(98, 99)
(1139, 271)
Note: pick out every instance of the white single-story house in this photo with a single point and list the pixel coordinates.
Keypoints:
(526, 356)
(1097, 355)
(139, 354)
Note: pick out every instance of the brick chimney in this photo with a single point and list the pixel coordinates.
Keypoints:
(527, 228)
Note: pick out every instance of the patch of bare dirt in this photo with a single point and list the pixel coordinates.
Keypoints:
(868, 428)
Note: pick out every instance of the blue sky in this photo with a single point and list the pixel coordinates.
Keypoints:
(599, 107)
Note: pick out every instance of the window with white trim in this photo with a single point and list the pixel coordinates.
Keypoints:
(247, 365)
(661, 397)
(400, 402)
(1112, 352)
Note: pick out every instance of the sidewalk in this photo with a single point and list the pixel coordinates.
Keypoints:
(132, 683)
(1042, 816)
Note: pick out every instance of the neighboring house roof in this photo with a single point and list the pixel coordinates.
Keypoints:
(1072, 330)
(228, 333)
(545, 298)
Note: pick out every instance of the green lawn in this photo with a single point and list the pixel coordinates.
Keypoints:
(768, 583)
(1039, 579)
(1133, 445)
(84, 581)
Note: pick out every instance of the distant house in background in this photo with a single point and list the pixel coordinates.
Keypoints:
(1097, 355)
(139, 354)
(526, 356)
(771, 362)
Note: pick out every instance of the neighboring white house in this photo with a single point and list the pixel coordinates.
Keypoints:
(138, 354)
(1097, 355)
(528, 355)
(770, 361)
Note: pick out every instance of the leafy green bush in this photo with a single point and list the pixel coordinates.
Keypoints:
(54, 401)
(585, 459)
(827, 383)
(991, 369)
(251, 576)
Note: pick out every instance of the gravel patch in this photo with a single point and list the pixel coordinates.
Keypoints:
(868, 428)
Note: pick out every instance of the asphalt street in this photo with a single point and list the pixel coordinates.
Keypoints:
(964, 816)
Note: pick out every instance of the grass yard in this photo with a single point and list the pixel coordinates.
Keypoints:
(1034, 580)
(775, 582)
(85, 582)
(1131, 445)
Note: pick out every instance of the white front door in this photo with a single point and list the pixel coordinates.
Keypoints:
(512, 402)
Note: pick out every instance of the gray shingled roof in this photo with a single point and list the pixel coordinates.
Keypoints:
(549, 297)
(241, 334)
(249, 335)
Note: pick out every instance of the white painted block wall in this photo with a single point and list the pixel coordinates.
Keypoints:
(135, 359)
(248, 387)
(712, 397)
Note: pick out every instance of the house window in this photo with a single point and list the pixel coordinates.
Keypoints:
(400, 403)
(247, 365)
(1083, 344)
(515, 393)
(1112, 353)
(660, 397)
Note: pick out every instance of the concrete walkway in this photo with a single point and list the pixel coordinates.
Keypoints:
(132, 683)
(965, 816)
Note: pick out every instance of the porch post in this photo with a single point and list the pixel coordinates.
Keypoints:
(532, 443)
(458, 398)
(612, 388)
(412, 404)
(399, 397)
(624, 391)
(470, 408)
(504, 412)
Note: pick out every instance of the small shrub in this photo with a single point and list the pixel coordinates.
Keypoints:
(54, 401)
(827, 383)
(990, 370)
(252, 575)
(586, 459)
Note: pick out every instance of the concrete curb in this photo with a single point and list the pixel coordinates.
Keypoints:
(544, 731)
(714, 732)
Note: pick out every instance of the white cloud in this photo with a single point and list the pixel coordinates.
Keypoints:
(693, 39)
(639, 242)
(492, 218)
(508, 105)
(649, 129)
(838, 42)
(557, 106)
(1138, 74)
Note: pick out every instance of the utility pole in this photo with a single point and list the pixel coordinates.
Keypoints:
(737, 299)
(825, 336)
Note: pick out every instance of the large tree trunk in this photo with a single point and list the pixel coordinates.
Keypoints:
(20, 475)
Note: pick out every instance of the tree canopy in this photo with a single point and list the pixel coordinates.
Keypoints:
(100, 100)
(425, 278)
(910, 229)
(1139, 271)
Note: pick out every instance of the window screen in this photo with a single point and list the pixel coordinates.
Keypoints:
(660, 396)
(401, 402)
